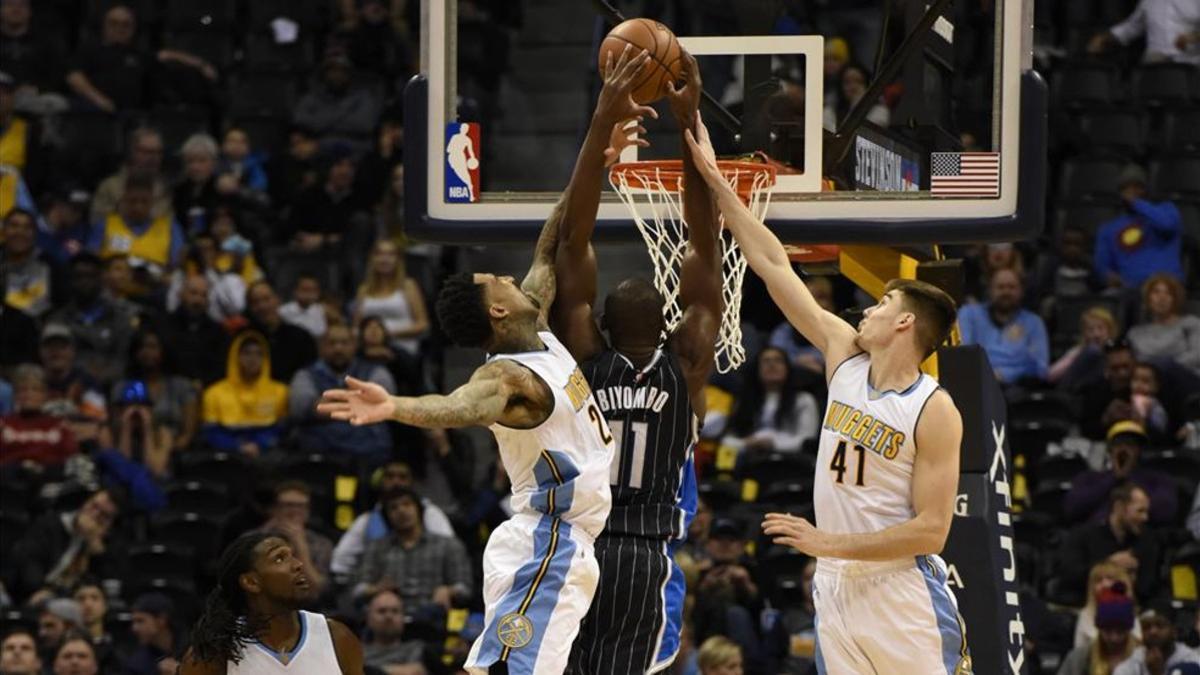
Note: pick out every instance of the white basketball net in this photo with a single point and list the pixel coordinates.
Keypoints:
(655, 201)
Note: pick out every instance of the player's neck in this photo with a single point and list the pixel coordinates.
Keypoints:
(639, 356)
(516, 342)
(282, 631)
(892, 370)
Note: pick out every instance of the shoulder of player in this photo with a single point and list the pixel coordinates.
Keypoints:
(346, 645)
(834, 361)
(939, 417)
(190, 666)
(341, 634)
(512, 377)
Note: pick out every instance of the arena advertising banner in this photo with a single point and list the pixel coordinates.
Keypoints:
(883, 163)
(980, 551)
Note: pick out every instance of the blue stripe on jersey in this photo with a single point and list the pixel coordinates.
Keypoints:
(534, 594)
(674, 595)
(286, 657)
(817, 657)
(953, 646)
(555, 474)
(687, 497)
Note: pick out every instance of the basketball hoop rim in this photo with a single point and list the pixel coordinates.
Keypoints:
(655, 174)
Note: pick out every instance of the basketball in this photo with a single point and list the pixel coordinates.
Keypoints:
(472, 163)
(665, 55)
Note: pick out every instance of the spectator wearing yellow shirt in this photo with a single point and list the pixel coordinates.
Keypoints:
(153, 243)
(245, 411)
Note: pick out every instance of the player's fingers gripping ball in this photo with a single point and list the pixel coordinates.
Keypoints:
(665, 60)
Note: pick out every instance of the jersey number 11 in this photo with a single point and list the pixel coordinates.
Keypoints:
(637, 459)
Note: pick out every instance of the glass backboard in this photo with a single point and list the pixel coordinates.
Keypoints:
(925, 125)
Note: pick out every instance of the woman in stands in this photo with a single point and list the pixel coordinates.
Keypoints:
(773, 413)
(1168, 335)
(1102, 576)
(1097, 327)
(389, 293)
(173, 402)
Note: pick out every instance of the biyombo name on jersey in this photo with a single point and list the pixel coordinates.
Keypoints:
(631, 398)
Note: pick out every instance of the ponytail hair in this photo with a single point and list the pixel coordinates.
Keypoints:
(226, 626)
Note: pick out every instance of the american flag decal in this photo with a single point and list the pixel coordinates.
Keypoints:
(965, 174)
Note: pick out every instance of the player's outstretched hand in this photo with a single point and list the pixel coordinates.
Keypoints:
(359, 403)
(794, 531)
(616, 97)
(685, 100)
(704, 155)
(624, 134)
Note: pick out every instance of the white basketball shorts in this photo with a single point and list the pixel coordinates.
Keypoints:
(893, 618)
(539, 575)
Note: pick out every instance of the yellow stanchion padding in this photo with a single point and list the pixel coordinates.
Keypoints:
(344, 488)
(1183, 582)
(749, 490)
(343, 516)
(456, 620)
(726, 458)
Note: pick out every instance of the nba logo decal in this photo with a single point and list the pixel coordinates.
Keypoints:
(462, 162)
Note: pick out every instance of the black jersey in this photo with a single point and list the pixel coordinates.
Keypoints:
(651, 418)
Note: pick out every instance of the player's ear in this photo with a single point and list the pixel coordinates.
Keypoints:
(250, 582)
(497, 311)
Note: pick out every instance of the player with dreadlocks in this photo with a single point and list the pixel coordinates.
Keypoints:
(252, 621)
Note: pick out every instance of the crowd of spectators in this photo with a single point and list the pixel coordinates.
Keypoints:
(185, 267)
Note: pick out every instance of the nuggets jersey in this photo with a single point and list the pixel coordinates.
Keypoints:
(313, 654)
(866, 453)
(560, 467)
(650, 414)
(892, 617)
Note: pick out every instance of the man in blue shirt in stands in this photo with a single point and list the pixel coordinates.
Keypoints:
(1142, 242)
(1014, 338)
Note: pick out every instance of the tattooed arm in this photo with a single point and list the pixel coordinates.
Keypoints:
(539, 281)
(500, 391)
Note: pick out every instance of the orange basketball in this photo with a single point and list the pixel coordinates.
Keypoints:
(665, 55)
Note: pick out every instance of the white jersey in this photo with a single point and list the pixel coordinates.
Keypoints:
(867, 448)
(560, 467)
(313, 654)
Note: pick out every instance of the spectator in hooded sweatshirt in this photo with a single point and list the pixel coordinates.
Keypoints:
(246, 410)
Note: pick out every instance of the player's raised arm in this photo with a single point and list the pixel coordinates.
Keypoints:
(934, 485)
(615, 124)
(485, 399)
(766, 256)
(539, 282)
(700, 277)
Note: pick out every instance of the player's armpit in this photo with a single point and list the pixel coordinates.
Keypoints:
(346, 646)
